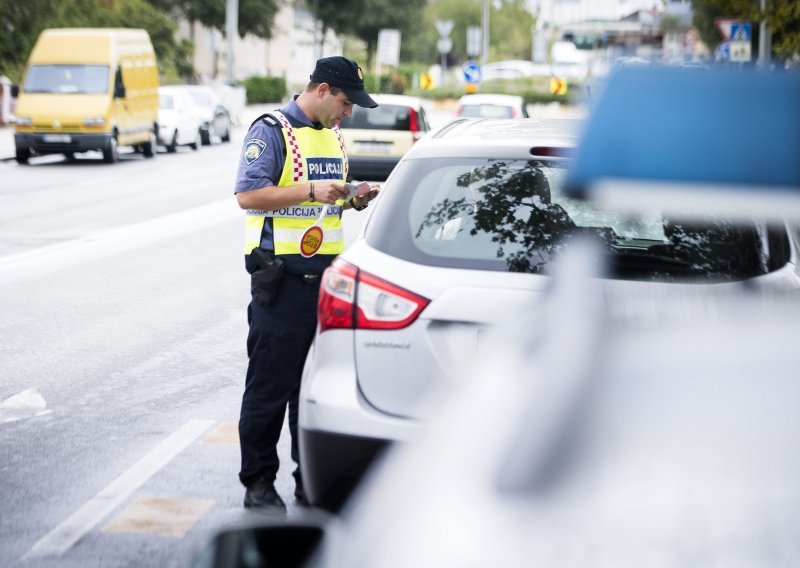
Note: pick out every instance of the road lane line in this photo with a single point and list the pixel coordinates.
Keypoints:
(47, 259)
(65, 535)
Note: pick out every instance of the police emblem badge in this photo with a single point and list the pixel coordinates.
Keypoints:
(253, 150)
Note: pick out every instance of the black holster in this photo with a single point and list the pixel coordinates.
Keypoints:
(265, 276)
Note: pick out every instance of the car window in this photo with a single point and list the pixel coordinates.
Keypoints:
(166, 102)
(511, 215)
(383, 117)
(486, 111)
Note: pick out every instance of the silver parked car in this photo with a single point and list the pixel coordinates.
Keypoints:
(216, 119)
(467, 227)
(179, 119)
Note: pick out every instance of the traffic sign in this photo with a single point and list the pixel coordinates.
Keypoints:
(444, 27)
(741, 35)
(426, 81)
(388, 51)
(474, 41)
(558, 86)
(444, 45)
(741, 31)
(724, 27)
(472, 72)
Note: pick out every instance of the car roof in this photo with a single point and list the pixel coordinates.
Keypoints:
(511, 137)
(487, 98)
(387, 99)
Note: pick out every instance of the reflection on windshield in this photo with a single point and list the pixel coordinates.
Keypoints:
(71, 79)
(513, 212)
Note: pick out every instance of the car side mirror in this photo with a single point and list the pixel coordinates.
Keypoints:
(288, 543)
(14, 91)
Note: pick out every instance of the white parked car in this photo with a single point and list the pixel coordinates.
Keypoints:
(467, 227)
(179, 119)
(491, 106)
(216, 119)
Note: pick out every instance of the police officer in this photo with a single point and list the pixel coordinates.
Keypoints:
(292, 169)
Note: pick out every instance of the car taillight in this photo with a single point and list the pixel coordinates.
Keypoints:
(413, 124)
(350, 298)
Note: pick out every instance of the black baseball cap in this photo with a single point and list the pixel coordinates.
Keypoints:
(346, 75)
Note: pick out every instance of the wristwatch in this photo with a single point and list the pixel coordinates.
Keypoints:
(354, 206)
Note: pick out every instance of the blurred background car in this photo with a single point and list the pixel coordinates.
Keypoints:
(465, 232)
(376, 138)
(491, 106)
(179, 119)
(217, 123)
(233, 97)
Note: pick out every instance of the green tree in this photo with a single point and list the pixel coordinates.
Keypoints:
(783, 18)
(22, 24)
(365, 18)
(510, 35)
(511, 30)
(256, 17)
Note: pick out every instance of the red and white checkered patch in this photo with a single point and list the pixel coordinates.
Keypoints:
(294, 148)
(344, 150)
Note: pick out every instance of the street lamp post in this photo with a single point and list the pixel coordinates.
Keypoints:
(231, 31)
(764, 39)
(485, 26)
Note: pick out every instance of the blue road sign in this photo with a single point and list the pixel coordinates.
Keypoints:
(472, 72)
(741, 31)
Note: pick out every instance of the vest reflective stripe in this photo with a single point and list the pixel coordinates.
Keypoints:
(253, 227)
(287, 241)
(298, 212)
(289, 224)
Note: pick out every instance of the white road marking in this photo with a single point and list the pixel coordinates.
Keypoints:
(50, 258)
(25, 404)
(65, 535)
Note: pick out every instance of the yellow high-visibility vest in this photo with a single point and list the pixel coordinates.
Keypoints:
(311, 155)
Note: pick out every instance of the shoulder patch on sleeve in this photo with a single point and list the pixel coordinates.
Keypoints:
(253, 150)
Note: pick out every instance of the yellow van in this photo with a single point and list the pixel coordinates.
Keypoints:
(88, 89)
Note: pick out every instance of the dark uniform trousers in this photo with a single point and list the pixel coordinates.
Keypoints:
(277, 344)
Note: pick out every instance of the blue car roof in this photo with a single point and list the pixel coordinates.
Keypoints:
(734, 127)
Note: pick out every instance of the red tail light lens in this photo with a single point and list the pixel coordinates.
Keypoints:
(352, 299)
(413, 124)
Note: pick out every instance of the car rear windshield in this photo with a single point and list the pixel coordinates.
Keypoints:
(383, 117)
(511, 215)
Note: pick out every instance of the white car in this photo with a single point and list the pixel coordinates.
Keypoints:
(376, 138)
(178, 119)
(216, 119)
(467, 227)
(491, 106)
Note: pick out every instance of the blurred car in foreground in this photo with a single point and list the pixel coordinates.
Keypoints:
(491, 106)
(376, 138)
(217, 122)
(654, 429)
(179, 119)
